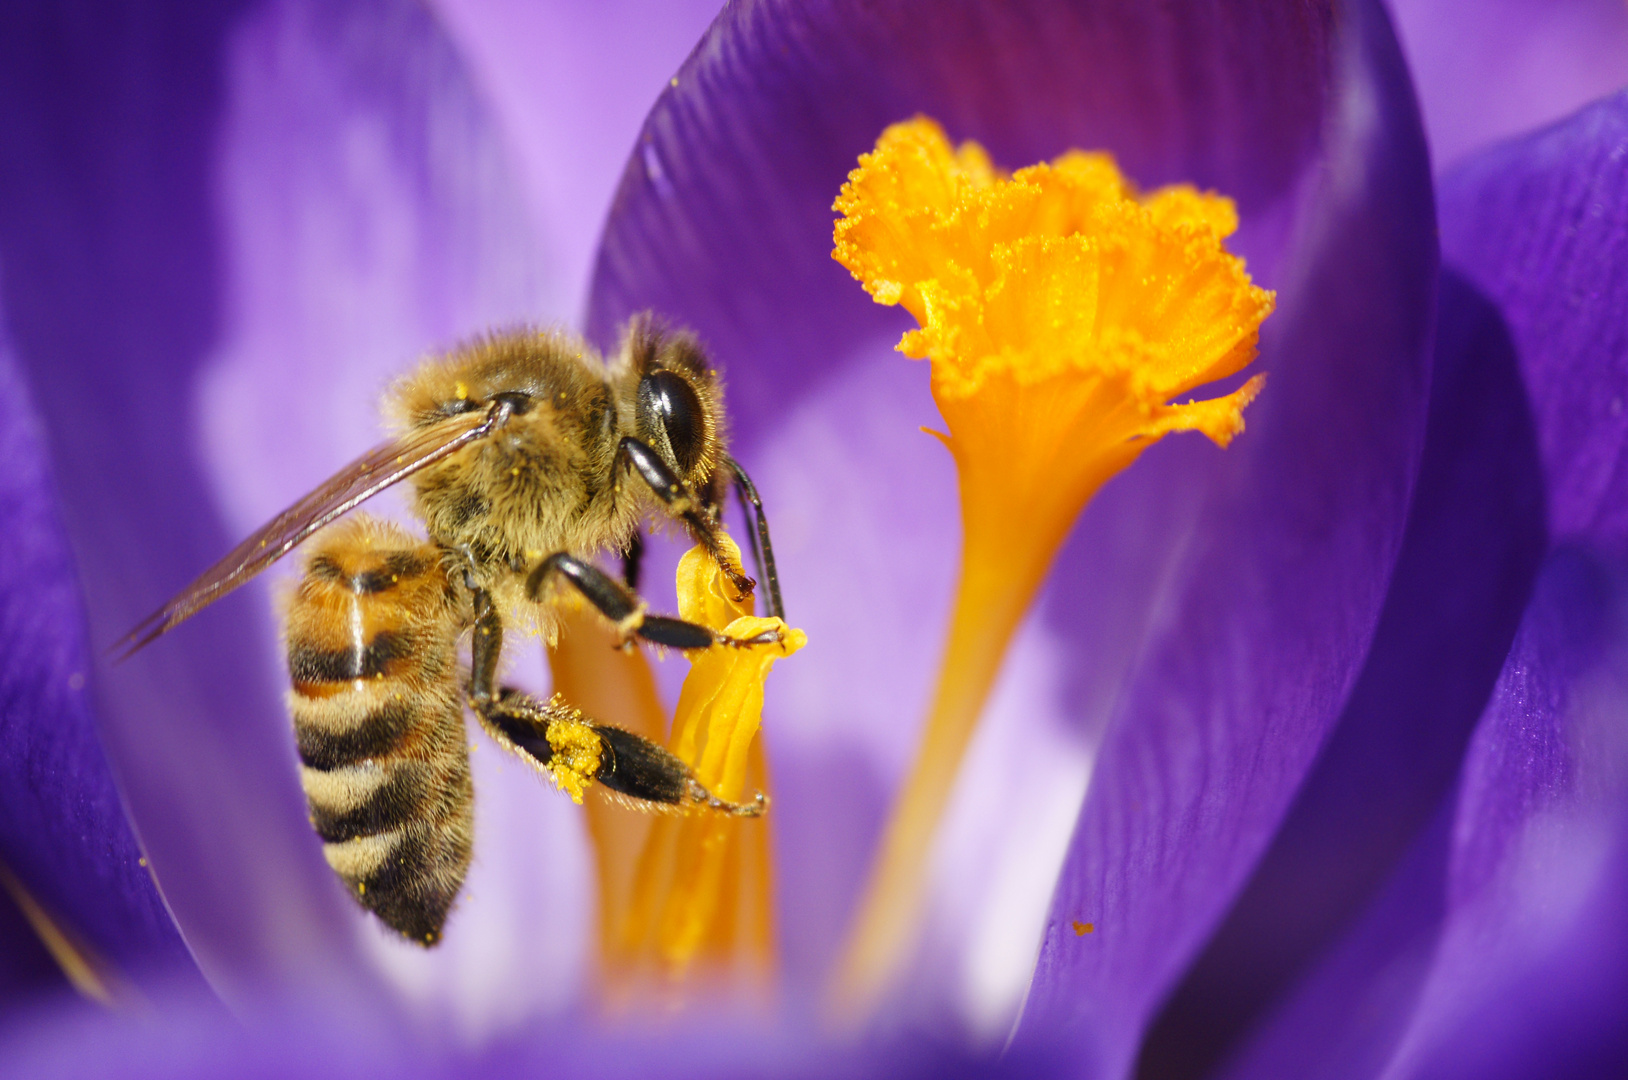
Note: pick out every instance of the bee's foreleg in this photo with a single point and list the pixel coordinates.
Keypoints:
(575, 751)
(758, 536)
(623, 607)
(682, 503)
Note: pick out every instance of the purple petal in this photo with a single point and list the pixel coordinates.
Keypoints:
(1540, 225)
(229, 232)
(1343, 1020)
(1489, 69)
(723, 223)
(63, 834)
(567, 85)
(1265, 627)
(1473, 545)
(723, 218)
(114, 277)
(28, 973)
(1530, 975)
(318, 1036)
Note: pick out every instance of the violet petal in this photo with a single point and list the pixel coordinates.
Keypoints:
(64, 839)
(223, 232)
(1541, 227)
(723, 220)
(319, 1036)
(114, 300)
(568, 83)
(1530, 974)
(1489, 69)
(1474, 542)
(1267, 625)
(1531, 953)
(28, 974)
(722, 223)
(1539, 224)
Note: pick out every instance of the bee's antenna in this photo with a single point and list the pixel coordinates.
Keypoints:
(762, 550)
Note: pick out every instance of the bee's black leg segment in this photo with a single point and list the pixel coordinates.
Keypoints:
(485, 650)
(629, 764)
(633, 562)
(641, 769)
(681, 502)
(626, 610)
(518, 722)
(613, 599)
(762, 550)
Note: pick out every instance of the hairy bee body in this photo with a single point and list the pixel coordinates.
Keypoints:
(377, 700)
(528, 457)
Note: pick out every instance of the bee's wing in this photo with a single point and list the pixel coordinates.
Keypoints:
(384, 465)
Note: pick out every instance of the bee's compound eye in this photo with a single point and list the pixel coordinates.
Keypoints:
(667, 400)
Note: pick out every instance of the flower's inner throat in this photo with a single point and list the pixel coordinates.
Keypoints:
(683, 898)
(1062, 312)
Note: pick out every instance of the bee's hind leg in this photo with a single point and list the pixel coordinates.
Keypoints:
(574, 750)
(624, 608)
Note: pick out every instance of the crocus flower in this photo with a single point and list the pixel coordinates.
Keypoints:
(1309, 758)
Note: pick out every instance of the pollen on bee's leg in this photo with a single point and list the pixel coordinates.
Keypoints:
(1063, 312)
(577, 753)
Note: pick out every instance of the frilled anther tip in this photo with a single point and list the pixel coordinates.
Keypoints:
(1063, 312)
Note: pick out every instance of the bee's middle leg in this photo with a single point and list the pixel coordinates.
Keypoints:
(624, 608)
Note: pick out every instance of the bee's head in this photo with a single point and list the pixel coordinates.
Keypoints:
(679, 410)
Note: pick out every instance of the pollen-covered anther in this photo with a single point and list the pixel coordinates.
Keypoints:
(701, 897)
(1064, 314)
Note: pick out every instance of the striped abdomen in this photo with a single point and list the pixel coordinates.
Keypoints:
(378, 713)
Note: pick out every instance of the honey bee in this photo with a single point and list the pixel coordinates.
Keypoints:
(528, 456)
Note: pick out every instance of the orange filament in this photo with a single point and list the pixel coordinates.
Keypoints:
(614, 687)
(1061, 311)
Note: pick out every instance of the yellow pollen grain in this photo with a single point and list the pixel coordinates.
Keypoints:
(576, 754)
(1063, 312)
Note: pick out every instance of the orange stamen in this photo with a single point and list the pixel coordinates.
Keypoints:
(1062, 311)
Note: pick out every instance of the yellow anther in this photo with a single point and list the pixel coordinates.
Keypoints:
(702, 892)
(1062, 312)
